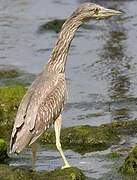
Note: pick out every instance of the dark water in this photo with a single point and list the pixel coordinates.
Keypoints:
(101, 68)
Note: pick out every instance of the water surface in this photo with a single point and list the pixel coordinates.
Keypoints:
(101, 69)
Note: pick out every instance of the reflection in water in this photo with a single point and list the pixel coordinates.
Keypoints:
(115, 59)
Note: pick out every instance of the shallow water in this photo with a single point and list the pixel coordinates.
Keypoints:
(101, 69)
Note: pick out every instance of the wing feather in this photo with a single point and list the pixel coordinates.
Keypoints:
(38, 109)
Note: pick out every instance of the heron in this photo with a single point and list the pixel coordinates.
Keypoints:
(44, 100)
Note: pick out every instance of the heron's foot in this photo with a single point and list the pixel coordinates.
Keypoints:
(66, 166)
(33, 170)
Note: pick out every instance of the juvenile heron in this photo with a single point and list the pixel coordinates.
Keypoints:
(44, 101)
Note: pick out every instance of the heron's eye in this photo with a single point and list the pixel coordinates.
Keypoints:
(96, 10)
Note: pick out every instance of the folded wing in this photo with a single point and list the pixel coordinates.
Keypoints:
(38, 109)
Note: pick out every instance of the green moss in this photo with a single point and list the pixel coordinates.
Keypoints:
(10, 98)
(123, 127)
(8, 73)
(54, 25)
(87, 138)
(113, 155)
(83, 138)
(12, 173)
(130, 164)
(3, 151)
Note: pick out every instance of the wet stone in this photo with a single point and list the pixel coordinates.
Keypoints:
(10, 75)
(83, 139)
(54, 25)
(12, 173)
(86, 138)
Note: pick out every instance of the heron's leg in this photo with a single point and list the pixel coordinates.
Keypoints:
(58, 144)
(34, 151)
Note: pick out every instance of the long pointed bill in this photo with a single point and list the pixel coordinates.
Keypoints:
(108, 12)
(104, 13)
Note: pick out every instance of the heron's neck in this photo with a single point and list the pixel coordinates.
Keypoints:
(59, 54)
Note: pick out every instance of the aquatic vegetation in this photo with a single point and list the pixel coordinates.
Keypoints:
(130, 164)
(12, 173)
(83, 138)
(3, 151)
(54, 25)
(86, 138)
(113, 155)
(14, 76)
(10, 98)
(11, 73)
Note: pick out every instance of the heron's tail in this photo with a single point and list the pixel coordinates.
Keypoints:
(20, 140)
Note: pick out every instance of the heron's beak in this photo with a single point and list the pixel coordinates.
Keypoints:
(104, 13)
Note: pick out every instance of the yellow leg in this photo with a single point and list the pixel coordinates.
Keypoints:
(58, 144)
(34, 151)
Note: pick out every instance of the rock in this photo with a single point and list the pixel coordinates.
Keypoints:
(10, 98)
(12, 173)
(83, 138)
(10, 75)
(127, 127)
(130, 164)
(3, 151)
(54, 25)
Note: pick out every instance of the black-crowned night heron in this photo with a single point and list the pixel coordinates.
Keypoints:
(44, 101)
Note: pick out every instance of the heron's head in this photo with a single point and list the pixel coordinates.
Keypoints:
(90, 10)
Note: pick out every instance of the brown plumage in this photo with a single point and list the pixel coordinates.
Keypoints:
(44, 100)
(39, 108)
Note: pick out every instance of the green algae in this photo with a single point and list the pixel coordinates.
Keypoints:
(3, 151)
(83, 138)
(54, 25)
(127, 127)
(11, 73)
(86, 138)
(130, 164)
(113, 155)
(12, 173)
(10, 98)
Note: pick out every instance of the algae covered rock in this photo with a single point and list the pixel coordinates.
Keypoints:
(10, 73)
(86, 138)
(3, 151)
(12, 173)
(54, 25)
(83, 138)
(10, 98)
(130, 164)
